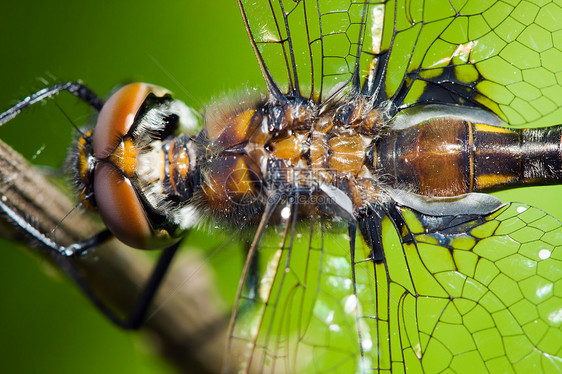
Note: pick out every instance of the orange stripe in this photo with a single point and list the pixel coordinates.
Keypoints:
(491, 180)
(488, 128)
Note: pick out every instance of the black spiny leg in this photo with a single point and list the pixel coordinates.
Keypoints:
(136, 318)
(142, 305)
(78, 89)
(406, 236)
(76, 249)
(370, 224)
(85, 94)
(62, 254)
(253, 281)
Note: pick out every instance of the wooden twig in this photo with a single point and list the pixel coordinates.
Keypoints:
(190, 325)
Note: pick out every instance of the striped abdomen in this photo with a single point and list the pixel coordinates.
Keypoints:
(449, 157)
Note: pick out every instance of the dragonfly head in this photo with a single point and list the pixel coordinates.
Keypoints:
(120, 167)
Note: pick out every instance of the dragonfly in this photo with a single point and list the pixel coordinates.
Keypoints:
(426, 284)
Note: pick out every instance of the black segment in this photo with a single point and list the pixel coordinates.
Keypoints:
(78, 89)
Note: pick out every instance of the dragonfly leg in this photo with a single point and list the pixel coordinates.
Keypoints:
(76, 249)
(62, 254)
(78, 89)
(406, 235)
(370, 224)
(253, 274)
(137, 316)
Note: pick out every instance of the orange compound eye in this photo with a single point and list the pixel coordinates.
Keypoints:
(118, 115)
(123, 213)
(114, 149)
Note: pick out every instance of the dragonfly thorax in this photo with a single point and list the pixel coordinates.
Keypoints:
(319, 156)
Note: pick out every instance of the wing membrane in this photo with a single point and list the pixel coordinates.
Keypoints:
(478, 295)
(308, 47)
(499, 55)
(467, 296)
(302, 316)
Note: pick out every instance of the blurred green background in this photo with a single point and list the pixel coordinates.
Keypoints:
(198, 50)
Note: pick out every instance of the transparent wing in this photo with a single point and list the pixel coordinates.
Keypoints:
(505, 56)
(299, 316)
(477, 296)
(308, 47)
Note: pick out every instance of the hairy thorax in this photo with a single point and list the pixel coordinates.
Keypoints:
(320, 158)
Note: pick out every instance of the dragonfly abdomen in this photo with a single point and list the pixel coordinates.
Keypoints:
(519, 156)
(449, 157)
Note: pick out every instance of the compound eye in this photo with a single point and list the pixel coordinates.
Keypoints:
(123, 213)
(118, 115)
